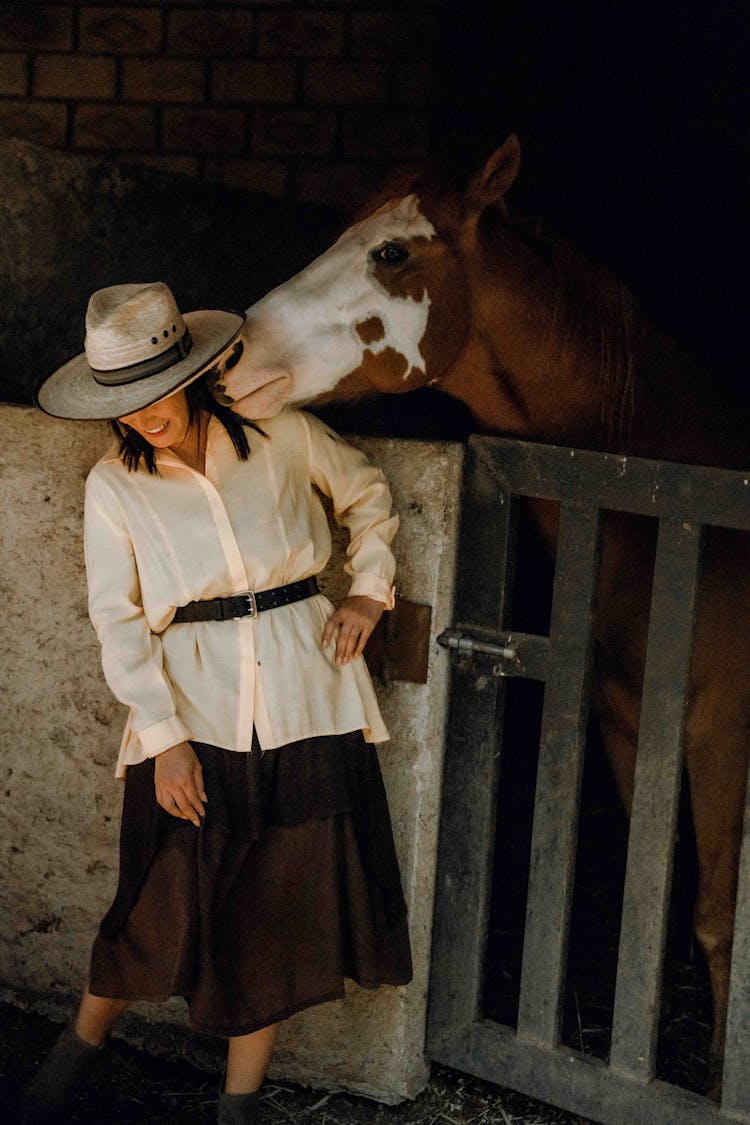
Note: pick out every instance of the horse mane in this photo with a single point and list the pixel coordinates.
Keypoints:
(434, 181)
(591, 312)
(655, 395)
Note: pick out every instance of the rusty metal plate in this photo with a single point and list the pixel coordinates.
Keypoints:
(399, 648)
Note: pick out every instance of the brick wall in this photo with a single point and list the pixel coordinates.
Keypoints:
(304, 99)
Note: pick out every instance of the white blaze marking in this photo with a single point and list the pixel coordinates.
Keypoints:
(404, 321)
(307, 326)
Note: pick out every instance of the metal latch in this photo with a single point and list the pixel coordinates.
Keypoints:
(463, 644)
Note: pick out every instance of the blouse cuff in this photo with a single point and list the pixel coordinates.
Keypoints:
(370, 586)
(162, 736)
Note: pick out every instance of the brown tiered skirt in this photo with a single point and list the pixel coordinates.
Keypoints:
(290, 885)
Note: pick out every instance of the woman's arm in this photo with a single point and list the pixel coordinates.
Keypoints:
(131, 654)
(362, 504)
(132, 657)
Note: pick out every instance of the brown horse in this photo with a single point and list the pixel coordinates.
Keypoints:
(435, 285)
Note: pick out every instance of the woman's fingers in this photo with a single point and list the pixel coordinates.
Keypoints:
(341, 626)
(330, 629)
(182, 801)
(352, 643)
(178, 779)
(198, 780)
(351, 624)
(364, 637)
(344, 643)
(167, 802)
(189, 803)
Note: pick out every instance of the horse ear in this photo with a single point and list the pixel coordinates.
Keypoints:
(498, 175)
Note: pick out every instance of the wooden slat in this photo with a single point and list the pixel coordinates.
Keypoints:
(736, 1095)
(720, 497)
(561, 754)
(467, 828)
(577, 1083)
(467, 833)
(486, 560)
(657, 788)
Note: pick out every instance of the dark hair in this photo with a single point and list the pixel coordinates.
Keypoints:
(133, 447)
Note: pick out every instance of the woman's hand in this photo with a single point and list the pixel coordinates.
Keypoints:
(178, 779)
(355, 619)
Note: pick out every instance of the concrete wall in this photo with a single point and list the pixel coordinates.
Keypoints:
(59, 730)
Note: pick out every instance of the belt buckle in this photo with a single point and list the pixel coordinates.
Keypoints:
(251, 602)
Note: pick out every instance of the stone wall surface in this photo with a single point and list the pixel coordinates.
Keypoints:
(70, 225)
(60, 727)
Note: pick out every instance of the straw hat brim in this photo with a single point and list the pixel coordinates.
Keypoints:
(72, 391)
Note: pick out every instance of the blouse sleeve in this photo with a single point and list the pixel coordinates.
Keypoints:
(131, 654)
(361, 503)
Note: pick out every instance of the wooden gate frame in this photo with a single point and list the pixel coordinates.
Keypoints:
(531, 1059)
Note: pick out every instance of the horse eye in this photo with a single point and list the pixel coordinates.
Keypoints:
(390, 254)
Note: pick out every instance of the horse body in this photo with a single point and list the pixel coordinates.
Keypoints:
(437, 287)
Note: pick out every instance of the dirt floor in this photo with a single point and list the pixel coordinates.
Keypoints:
(133, 1087)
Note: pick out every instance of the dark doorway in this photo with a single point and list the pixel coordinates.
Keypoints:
(633, 118)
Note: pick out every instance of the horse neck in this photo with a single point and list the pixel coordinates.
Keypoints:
(519, 375)
(558, 352)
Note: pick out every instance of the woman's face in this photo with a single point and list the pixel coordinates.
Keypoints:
(163, 425)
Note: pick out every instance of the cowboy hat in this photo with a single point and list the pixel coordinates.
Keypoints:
(139, 348)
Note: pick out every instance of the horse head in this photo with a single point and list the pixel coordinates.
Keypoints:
(386, 309)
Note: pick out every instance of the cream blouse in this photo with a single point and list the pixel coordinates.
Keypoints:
(153, 543)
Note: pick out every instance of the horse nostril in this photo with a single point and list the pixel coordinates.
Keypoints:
(218, 391)
(235, 356)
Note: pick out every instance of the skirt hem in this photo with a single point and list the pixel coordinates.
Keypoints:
(224, 1031)
(221, 916)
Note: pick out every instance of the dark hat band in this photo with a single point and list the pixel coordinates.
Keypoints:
(122, 375)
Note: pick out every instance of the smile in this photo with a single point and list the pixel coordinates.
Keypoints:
(157, 429)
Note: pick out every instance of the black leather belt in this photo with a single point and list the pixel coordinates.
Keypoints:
(246, 604)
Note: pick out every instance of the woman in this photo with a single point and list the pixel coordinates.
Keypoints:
(257, 862)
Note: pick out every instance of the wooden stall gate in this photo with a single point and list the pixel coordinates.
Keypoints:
(531, 1058)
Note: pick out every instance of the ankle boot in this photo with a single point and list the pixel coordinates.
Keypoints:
(61, 1072)
(239, 1109)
